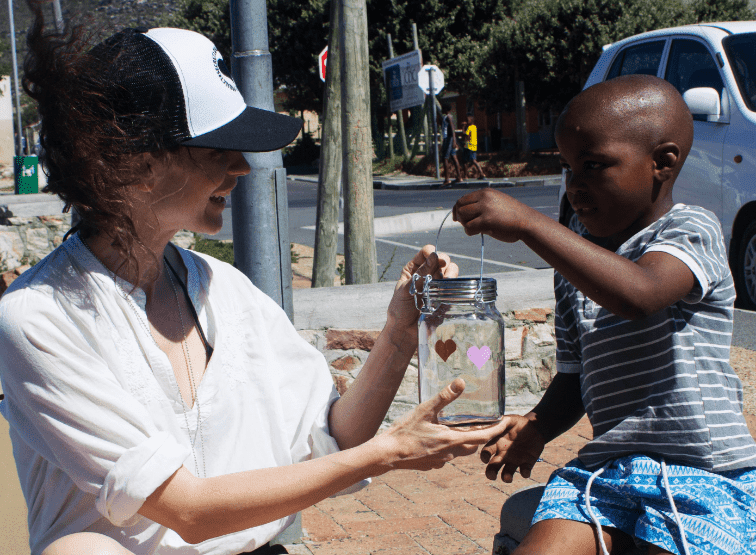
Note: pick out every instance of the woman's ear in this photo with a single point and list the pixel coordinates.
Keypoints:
(666, 157)
(149, 168)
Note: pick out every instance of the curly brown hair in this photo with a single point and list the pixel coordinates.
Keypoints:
(88, 141)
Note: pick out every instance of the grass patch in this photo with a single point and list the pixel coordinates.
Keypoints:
(224, 251)
(216, 249)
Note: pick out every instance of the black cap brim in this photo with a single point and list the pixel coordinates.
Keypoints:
(254, 130)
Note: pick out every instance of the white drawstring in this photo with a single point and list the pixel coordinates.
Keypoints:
(594, 518)
(678, 521)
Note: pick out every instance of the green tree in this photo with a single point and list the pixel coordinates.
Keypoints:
(452, 34)
(721, 10)
(552, 45)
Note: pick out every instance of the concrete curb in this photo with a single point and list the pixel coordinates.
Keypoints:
(426, 183)
(365, 306)
(27, 206)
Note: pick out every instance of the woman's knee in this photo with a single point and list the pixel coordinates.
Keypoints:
(85, 542)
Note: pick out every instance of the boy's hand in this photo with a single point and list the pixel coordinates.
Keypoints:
(518, 447)
(493, 213)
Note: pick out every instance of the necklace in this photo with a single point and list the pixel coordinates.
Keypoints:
(192, 382)
(185, 350)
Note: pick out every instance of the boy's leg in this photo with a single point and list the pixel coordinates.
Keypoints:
(456, 166)
(86, 542)
(560, 537)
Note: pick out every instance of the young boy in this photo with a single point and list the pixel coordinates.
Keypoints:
(470, 152)
(449, 146)
(643, 325)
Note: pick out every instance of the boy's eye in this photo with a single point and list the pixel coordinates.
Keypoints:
(590, 165)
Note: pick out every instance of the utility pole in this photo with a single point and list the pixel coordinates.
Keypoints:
(400, 117)
(521, 118)
(259, 202)
(58, 14)
(14, 61)
(359, 232)
(329, 178)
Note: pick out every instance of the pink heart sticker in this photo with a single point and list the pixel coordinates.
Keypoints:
(478, 356)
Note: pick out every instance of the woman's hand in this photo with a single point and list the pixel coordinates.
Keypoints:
(417, 441)
(402, 313)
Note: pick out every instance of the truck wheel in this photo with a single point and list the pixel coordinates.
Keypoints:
(746, 278)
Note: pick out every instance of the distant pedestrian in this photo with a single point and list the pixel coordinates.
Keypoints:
(470, 150)
(449, 146)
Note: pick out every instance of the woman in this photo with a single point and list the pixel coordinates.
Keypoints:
(156, 398)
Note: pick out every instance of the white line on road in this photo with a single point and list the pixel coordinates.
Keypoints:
(453, 256)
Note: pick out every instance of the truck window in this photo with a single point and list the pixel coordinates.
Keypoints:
(641, 59)
(741, 51)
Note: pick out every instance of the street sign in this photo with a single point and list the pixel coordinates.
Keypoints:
(400, 76)
(322, 63)
(423, 79)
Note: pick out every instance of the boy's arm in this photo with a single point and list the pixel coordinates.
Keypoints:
(629, 289)
(519, 447)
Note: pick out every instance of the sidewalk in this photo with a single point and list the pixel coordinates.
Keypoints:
(415, 182)
(451, 511)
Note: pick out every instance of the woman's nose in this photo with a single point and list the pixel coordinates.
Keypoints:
(238, 164)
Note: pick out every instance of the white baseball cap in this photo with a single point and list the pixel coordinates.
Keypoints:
(171, 87)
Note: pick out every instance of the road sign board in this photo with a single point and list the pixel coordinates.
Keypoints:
(322, 63)
(423, 79)
(400, 76)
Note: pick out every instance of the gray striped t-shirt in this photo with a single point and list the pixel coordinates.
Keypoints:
(661, 385)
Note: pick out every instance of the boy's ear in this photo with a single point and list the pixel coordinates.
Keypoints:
(666, 158)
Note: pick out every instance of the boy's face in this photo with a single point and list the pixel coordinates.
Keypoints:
(609, 179)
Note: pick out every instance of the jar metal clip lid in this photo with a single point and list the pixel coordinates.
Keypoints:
(460, 289)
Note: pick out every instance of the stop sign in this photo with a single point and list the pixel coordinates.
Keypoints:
(322, 63)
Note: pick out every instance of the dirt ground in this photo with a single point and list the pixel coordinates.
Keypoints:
(496, 164)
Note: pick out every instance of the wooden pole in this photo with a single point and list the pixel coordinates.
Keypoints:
(416, 46)
(359, 233)
(329, 178)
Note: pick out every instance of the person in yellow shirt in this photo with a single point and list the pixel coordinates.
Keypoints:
(470, 154)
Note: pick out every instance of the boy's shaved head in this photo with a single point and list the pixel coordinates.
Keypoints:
(641, 109)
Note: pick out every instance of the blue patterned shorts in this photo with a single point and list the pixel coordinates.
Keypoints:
(717, 511)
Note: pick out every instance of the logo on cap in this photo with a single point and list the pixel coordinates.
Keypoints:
(222, 70)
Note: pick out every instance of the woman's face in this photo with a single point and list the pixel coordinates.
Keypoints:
(190, 187)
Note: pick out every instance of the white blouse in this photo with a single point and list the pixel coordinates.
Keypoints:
(97, 422)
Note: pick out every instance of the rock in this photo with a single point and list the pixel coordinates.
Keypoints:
(351, 339)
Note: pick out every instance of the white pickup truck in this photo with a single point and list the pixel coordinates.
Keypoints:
(713, 65)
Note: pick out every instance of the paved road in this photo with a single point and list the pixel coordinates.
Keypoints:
(394, 249)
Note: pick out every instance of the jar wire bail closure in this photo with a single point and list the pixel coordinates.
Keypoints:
(427, 279)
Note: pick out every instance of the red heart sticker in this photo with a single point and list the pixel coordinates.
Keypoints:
(445, 348)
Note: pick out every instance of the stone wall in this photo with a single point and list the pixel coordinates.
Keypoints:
(27, 240)
(24, 241)
(530, 359)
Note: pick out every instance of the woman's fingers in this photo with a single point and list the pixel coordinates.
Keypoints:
(445, 396)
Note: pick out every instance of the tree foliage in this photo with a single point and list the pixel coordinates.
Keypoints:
(451, 33)
(552, 45)
(721, 10)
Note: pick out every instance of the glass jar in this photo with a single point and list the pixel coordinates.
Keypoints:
(462, 335)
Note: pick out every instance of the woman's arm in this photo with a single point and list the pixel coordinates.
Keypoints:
(357, 415)
(199, 509)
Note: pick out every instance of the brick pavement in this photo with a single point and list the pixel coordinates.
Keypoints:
(450, 511)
